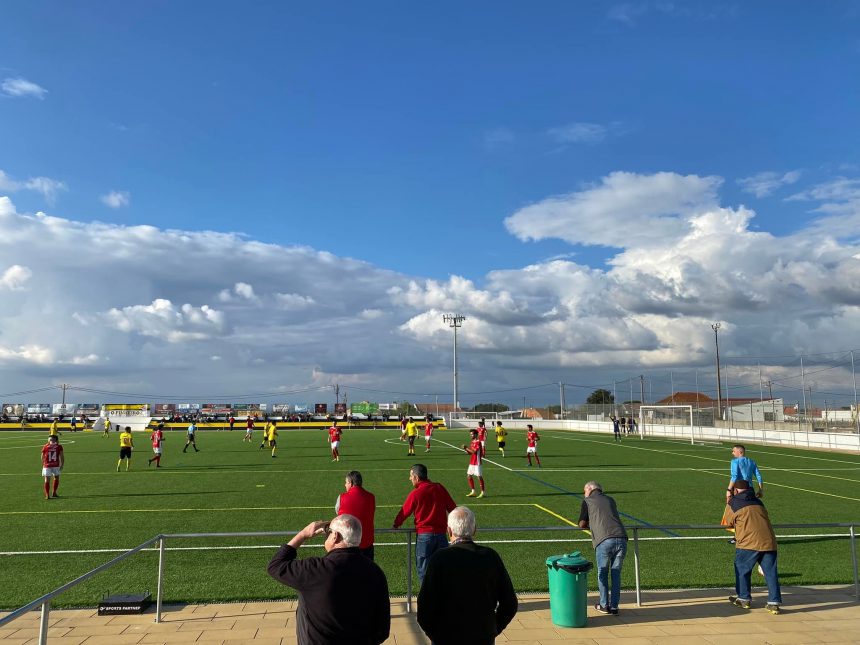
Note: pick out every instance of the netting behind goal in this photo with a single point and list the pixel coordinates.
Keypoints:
(673, 421)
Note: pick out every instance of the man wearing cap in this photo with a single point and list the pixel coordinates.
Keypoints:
(755, 545)
(599, 514)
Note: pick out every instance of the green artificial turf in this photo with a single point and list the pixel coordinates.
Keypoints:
(233, 486)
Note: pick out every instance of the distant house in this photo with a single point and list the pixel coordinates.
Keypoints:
(442, 409)
(688, 398)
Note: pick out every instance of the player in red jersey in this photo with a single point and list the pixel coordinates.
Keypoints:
(476, 459)
(428, 432)
(157, 438)
(532, 438)
(334, 437)
(482, 434)
(52, 464)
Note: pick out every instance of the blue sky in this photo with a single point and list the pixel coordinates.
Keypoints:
(414, 137)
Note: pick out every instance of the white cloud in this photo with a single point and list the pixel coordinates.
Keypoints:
(113, 317)
(579, 133)
(839, 206)
(116, 199)
(21, 87)
(765, 183)
(49, 188)
(625, 209)
(163, 320)
(15, 278)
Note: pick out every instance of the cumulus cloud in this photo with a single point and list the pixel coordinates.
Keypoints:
(142, 309)
(624, 208)
(838, 205)
(49, 188)
(765, 183)
(21, 87)
(116, 199)
(15, 278)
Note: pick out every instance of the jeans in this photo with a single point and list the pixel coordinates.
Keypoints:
(426, 545)
(610, 556)
(745, 560)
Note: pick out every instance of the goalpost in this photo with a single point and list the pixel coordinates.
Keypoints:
(666, 415)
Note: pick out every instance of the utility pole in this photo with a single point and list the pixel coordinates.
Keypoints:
(336, 393)
(64, 393)
(641, 390)
(716, 327)
(803, 386)
(856, 410)
(769, 389)
(561, 400)
(455, 321)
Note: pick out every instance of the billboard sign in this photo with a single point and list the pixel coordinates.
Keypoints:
(13, 409)
(63, 408)
(164, 409)
(320, 408)
(127, 409)
(89, 409)
(280, 408)
(365, 407)
(301, 408)
(39, 408)
(188, 408)
(217, 408)
(340, 409)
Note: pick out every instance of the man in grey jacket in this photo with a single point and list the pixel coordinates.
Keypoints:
(600, 515)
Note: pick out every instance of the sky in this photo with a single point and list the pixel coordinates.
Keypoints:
(213, 199)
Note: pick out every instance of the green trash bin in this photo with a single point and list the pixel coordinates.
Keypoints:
(568, 589)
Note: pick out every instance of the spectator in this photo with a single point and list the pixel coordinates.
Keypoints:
(360, 503)
(343, 596)
(430, 503)
(466, 578)
(599, 513)
(756, 544)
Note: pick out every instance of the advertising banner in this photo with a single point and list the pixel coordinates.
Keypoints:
(340, 409)
(224, 409)
(188, 408)
(280, 409)
(90, 409)
(365, 407)
(320, 408)
(39, 408)
(66, 409)
(301, 408)
(164, 409)
(134, 415)
(13, 409)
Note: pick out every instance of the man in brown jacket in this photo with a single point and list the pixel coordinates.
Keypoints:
(756, 544)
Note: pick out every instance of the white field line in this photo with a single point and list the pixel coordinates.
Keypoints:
(31, 446)
(387, 544)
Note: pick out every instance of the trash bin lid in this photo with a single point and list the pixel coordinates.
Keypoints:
(571, 562)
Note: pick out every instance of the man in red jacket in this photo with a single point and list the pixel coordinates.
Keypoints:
(430, 503)
(361, 504)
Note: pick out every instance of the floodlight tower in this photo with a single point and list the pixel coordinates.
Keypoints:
(455, 321)
(716, 328)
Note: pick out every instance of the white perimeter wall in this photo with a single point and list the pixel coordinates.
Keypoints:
(820, 440)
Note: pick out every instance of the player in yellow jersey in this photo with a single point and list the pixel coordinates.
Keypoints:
(107, 427)
(501, 433)
(411, 433)
(53, 430)
(126, 444)
(272, 436)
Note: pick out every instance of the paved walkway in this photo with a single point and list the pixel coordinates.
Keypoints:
(810, 615)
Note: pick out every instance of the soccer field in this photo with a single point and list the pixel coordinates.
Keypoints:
(233, 486)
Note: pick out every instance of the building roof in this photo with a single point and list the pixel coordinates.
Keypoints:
(686, 398)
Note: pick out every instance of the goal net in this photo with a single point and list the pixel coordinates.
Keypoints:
(673, 421)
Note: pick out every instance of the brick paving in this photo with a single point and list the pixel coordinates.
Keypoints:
(810, 615)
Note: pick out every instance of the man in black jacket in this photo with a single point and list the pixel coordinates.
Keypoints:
(343, 596)
(467, 595)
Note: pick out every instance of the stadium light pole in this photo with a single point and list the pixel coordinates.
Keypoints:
(455, 321)
(716, 328)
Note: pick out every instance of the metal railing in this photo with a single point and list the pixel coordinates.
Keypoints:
(44, 602)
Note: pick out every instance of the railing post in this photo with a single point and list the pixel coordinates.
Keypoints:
(159, 589)
(43, 622)
(408, 572)
(854, 561)
(636, 565)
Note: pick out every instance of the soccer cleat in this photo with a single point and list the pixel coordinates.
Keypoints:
(773, 608)
(601, 609)
(613, 611)
(274, 456)
(471, 494)
(739, 602)
(733, 541)
(117, 468)
(481, 495)
(54, 495)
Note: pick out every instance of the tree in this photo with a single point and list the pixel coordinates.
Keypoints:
(491, 407)
(600, 396)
